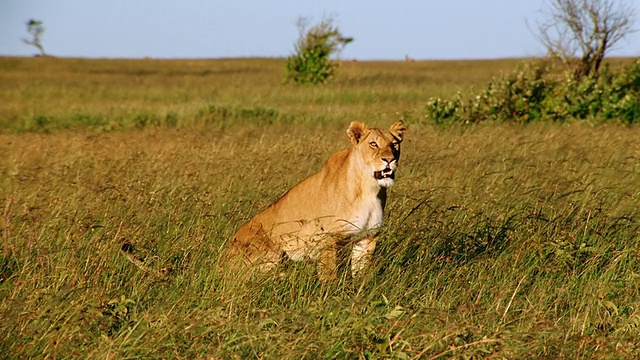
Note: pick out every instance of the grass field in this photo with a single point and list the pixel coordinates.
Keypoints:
(502, 241)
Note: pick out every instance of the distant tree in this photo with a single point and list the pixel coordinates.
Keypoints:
(580, 32)
(312, 62)
(35, 29)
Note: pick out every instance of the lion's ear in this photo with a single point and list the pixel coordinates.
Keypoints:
(356, 131)
(397, 129)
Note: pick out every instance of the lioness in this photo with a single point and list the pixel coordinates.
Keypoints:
(343, 203)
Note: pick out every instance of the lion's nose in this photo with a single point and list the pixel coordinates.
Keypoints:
(388, 160)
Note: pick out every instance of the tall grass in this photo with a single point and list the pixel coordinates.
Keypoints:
(501, 240)
(48, 93)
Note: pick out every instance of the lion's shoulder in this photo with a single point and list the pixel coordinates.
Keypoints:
(336, 162)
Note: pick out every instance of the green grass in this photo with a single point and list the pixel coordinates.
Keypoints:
(502, 241)
(49, 93)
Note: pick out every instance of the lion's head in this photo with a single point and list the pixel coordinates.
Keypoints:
(379, 149)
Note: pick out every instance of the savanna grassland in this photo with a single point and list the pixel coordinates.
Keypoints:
(121, 181)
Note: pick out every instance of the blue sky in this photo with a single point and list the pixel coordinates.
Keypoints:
(421, 29)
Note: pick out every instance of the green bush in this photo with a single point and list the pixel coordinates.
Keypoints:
(222, 114)
(311, 63)
(535, 93)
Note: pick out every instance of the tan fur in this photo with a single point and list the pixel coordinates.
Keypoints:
(343, 203)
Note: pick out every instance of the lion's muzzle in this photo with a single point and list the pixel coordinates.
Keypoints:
(387, 173)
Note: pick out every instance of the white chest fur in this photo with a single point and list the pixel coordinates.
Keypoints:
(367, 215)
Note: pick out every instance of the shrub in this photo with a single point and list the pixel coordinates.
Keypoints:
(516, 96)
(311, 63)
(144, 119)
(221, 114)
(535, 92)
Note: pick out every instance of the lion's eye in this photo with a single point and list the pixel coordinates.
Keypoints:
(373, 144)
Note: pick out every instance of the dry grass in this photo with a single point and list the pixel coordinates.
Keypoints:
(501, 241)
(53, 93)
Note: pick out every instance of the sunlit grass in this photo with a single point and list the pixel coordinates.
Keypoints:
(501, 241)
(109, 94)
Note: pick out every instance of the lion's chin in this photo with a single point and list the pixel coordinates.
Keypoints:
(386, 182)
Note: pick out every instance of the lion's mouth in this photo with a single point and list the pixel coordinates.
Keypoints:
(384, 174)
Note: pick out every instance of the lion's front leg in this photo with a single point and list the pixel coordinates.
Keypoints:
(361, 255)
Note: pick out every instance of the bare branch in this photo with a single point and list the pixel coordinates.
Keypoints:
(584, 29)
